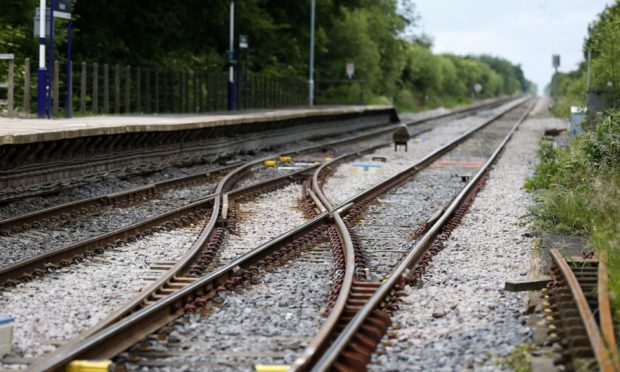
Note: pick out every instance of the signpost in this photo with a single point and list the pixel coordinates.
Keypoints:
(556, 62)
(41, 72)
(44, 21)
(477, 89)
(350, 70)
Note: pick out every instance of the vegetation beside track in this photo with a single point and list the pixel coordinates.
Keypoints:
(569, 89)
(577, 191)
(396, 63)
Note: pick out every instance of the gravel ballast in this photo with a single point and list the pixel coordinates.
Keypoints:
(259, 220)
(459, 317)
(267, 323)
(21, 246)
(55, 308)
(378, 170)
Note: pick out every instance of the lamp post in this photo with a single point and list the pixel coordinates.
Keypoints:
(311, 64)
(41, 72)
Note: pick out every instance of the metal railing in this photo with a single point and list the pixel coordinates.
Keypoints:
(97, 89)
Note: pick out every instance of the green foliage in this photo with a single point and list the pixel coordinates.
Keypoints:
(602, 150)
(577, 190)
(602, 43)
(395, 64)
(570, 90)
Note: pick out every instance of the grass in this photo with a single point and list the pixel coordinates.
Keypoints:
(577, 191)
(520, 359)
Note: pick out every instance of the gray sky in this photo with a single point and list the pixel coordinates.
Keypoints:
(527, 32)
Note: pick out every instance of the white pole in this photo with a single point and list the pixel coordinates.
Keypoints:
(41, 73)
(231, 36)
(311, 73)
(231, 68)
(42, 35)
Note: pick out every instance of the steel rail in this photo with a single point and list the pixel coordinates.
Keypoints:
(148, 319)
(34, 219)
(336, 349)
(142, 300)
(37, 265)
(595, 339)
(326, 332)
(604, 310)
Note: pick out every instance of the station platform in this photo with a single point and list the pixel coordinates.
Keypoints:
(15, 131)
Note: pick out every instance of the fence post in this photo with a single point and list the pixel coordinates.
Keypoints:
(156, 91)
(11, 86)
(69, 98)
(139, 89)
(56, 88)
(199, 91)
(95, 105)
(127, 89)
(27, 86)
(117, 89)
(147, 90)
(83, 77)
(106, 89)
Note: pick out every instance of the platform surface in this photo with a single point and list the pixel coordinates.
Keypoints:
(17, 130)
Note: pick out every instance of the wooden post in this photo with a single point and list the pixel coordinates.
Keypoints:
(195, 92)
(27, 86)
(95, 88)
(127, 89)
(183, 89)
(199, 92)
(139, 89)
(156, 92)
(11, 86)
(56, 89)
(106, 89)
(147, 91)
(209, 92)
(69, 98)
(83, 78)
(117, 89)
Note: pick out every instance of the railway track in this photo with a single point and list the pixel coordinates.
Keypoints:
(27, 267)
(364, 285)
(208, 287)
(581, 315)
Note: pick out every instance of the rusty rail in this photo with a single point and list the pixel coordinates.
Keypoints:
(575, 317)
(352, 346)
(604, 311)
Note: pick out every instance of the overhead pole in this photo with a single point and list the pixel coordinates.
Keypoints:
(311, 64)
(231, 67)
(41, 72)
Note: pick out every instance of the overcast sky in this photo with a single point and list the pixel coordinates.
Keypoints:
(527, 32)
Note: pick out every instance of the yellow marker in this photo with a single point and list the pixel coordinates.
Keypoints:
(286, 159)
(271, 368)
(269, 163)
(89, 366)
(328, 158)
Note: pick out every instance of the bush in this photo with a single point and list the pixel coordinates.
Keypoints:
(577, 190)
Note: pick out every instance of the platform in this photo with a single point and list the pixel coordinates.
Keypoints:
(23, 131)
